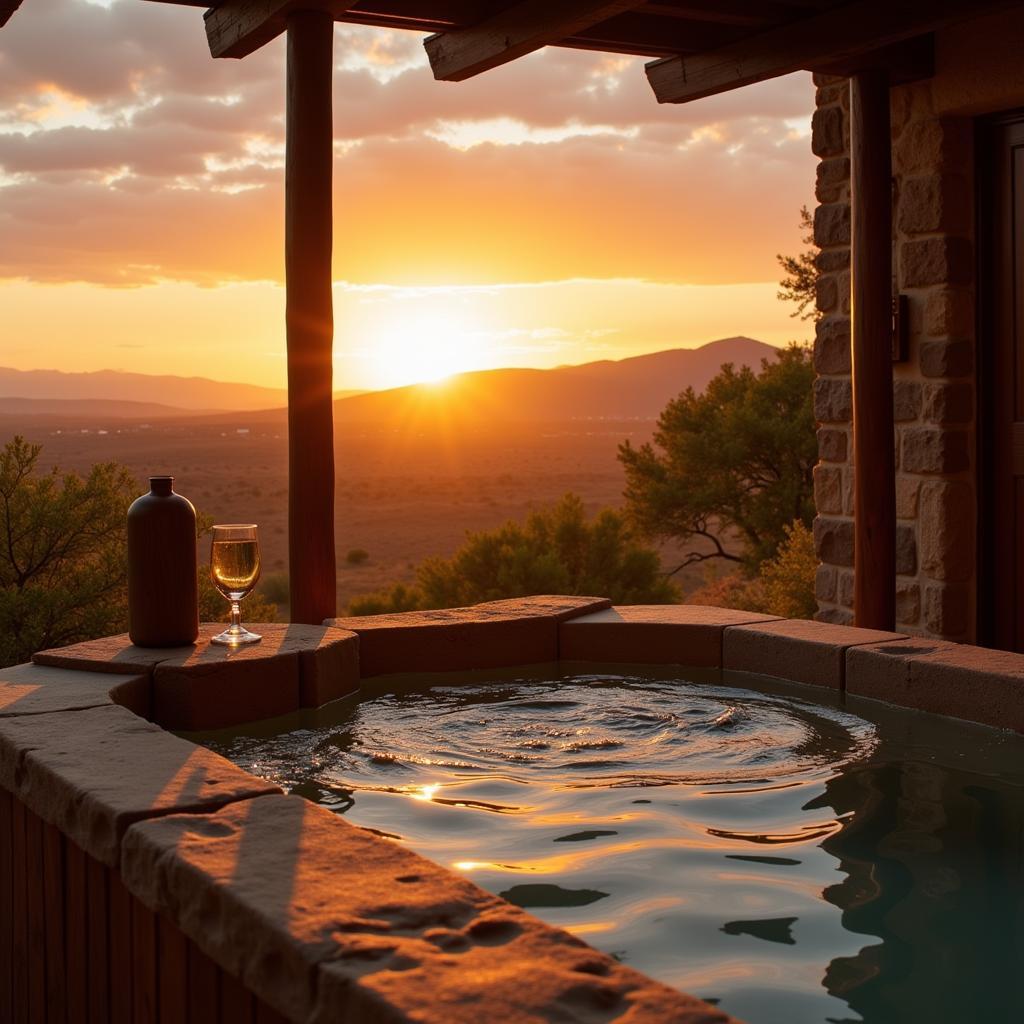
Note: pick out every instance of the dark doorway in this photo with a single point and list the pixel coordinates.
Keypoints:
(1001, 381)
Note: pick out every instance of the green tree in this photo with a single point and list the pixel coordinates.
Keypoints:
(800, 273)
(556, 550)
(734, 461)
(63, 572)
(787, 580)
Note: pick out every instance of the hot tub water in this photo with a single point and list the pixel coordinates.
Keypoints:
(791, 861)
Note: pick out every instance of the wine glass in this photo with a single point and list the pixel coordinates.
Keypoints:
(234, 569)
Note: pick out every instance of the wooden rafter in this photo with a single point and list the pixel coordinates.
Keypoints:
(236, 28)
(7, 8)
(528, 26)
(837, 38)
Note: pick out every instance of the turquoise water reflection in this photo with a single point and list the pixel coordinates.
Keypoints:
(794, 863)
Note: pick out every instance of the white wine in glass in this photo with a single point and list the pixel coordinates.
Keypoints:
(234, 569)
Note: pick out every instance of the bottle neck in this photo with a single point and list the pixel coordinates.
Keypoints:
(161, 485)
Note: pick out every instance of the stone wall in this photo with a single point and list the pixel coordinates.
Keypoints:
(934, 389)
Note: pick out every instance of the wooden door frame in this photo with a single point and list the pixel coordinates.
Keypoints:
(995, 621)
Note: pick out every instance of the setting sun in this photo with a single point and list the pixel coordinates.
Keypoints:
(414, 346)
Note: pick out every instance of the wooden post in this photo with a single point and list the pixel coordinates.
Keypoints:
(309, 316)
(874, 589)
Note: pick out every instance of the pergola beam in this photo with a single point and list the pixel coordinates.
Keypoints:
(7, 8)
(836, 39)
(236, 28)
(515, 32)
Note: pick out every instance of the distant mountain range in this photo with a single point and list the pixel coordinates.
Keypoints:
(634, 388)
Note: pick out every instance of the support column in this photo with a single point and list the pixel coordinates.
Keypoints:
(874, 592)
(309, 317)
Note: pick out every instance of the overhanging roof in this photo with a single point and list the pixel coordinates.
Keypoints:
(702, 46)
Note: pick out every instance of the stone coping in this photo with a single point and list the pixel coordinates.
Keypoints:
(797, 650)
(293, 666)
(325, 921)
(35, 689)
(653, 634)
(94, 771)
(522, 631)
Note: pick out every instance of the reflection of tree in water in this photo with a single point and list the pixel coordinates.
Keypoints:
(933, 860)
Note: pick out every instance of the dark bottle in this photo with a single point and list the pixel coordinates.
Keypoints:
(163, 593)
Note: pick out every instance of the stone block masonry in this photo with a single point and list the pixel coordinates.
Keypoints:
(933, 391)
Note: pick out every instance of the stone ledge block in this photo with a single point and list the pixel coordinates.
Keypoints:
(94, 772)
(833, 540)
(827, 132)
(325, 921)
(519, 631)
(213, 687)
(797, 650)
(35, 689)
(833, 400)
(109, 654)
(328, 669)
(942, 678)
(652, 634)
(941, 260)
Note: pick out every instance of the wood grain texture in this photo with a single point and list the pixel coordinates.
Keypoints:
(874, 589)
(203, 985)
(512, 33)
(236, 28)
(35, 907)
(309, 317)
(120, 903)
(53, 907)
(98, 904)
(837, 36)
(144, 964)
(76, 933)
(6, 906)
(172, 972)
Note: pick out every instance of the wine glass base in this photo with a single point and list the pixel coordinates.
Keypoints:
(235, 638)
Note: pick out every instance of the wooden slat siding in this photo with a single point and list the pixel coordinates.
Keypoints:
(172, 972)
(6, 906)
(35, 905)
(513, 33)
(810, 44)
(267, 1015)
(144, 964)
(120, 966)
(98, 929)
(237, 1004)
(203, 985)
(76, 933)
(309, 317)
(54, 896)
(19, 983)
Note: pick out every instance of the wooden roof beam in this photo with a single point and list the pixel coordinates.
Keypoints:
(839, 38)
(236, 28)
(515, 32)
(7, 8)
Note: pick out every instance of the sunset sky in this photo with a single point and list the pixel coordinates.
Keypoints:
(546, 212)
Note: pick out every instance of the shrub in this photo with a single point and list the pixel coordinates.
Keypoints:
(556, 550)
(357, 556)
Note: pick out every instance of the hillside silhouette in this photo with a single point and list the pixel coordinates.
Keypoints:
(636, 388)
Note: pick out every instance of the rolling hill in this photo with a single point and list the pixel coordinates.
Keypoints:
(636, 388)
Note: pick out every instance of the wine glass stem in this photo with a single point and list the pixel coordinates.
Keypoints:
(236, 617)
